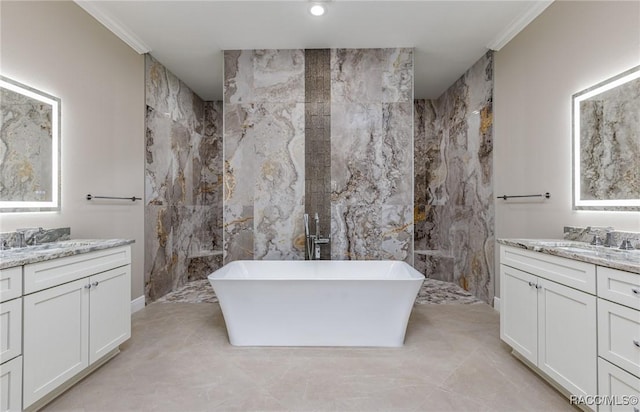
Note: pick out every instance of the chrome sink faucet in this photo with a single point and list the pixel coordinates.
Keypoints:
(21, 235)
(312, 251)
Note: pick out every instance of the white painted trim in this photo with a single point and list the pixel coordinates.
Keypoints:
(123, 32)
(496, 304)
(518, 24)
(137, 304)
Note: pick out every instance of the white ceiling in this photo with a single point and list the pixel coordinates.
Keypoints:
(188, 37)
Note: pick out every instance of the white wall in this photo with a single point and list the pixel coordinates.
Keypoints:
(572, 45)
(58, 48)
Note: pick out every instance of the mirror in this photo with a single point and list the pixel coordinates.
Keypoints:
(29, 149)
(606, 144)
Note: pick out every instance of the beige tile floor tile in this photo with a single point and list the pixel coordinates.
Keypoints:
(179, 359)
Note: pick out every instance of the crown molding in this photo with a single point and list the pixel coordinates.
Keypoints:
(518, 24)
(123, 32)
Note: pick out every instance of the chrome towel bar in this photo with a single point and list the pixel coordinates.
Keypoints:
(132, 198)
(546, 195)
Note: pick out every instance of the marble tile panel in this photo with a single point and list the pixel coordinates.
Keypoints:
(208, 162)
(396, 231)
(183, 142)
(159, 260)
(201, 265)
(419, 152)
(397, 77)
(261, 76)
(356, 153)
(435, 265)
(171, 97)
(356, 75)
(239, 156)
(279, 187)
(158, 158)
(355, 232)
(395, 185)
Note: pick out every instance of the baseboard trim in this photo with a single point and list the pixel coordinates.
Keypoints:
(137, 304)
(496, 304)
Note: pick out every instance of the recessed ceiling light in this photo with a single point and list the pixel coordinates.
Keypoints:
(317, 10)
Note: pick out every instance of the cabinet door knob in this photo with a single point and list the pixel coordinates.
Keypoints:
(87, 286)
(636, 291)
(636, 342)
(538, 286)
(95, 284)
(531, 283)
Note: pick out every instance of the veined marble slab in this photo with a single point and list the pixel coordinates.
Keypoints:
(372, 154)
(628, 260)
(264, 169)
(47, 251)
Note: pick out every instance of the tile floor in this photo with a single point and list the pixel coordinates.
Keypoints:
(179, 359)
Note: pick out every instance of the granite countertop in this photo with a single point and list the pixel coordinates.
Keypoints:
(53, 250)
(628, 260)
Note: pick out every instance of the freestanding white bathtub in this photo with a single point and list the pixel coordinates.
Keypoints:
(316, 303)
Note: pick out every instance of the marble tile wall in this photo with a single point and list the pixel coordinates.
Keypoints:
(183, 183)
(372, 154)
(264, 168)
(272, 115)
(453, 205)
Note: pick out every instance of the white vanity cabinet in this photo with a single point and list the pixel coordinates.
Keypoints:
(11, 339)
(618, 337)
(76, 313)
(547, 315)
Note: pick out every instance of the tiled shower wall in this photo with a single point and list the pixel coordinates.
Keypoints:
(454, 213)
(183, 183)
(264, 154)
(372, 154)
(370, 173)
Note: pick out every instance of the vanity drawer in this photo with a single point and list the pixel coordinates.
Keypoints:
(619, 286)
(10, 283)
(10, 329)
(619, 335)
(43, 275)
(568, 272)
(614, 383)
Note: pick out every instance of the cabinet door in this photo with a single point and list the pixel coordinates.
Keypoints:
(55, 337)
(518, 313)
(10, 329)
(11, 385)
(110, 311)
(567, 337)
(616, 384)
